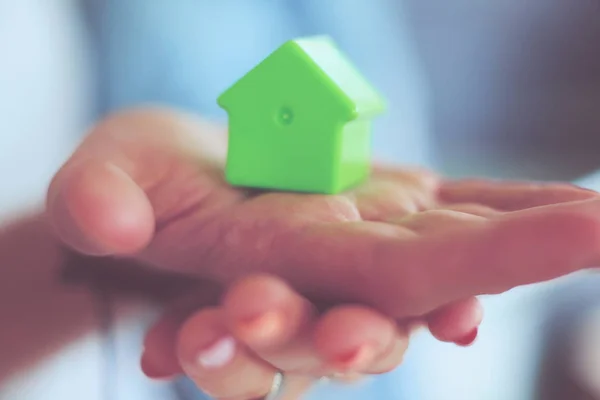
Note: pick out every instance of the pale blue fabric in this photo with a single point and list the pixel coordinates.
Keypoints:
(185, 52)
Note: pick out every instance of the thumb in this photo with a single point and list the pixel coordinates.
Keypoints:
(101, 201)
(98, 209)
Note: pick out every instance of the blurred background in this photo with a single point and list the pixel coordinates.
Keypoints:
(514, 84)
(506, 89)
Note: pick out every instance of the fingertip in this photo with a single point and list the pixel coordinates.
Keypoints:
(255, 294)
(570, 233)
(153, 369)
(98, 209)
(264, 311)
(469, 338)
(457, 322)
(352, 337)
(217, 362)
(159, 358)
(200, 331)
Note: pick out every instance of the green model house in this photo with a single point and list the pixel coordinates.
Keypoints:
(301, 121)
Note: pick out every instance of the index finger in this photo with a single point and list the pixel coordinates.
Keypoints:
(511, 195)
(404, 274)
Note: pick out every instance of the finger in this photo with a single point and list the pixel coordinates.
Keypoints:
(392, 357)
(88, 216)
(273, 321)
(159, 359)
(522, 248)
(472, 208)
(217, 363)
(394, 191)
(357, 339)
(278, 324)
(511, 196)
(103, 200)
(436, 221)
(457, 322)
(408, 275)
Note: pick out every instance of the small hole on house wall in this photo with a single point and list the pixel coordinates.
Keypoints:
(285, 116)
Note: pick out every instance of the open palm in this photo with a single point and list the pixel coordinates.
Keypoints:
(149, 185)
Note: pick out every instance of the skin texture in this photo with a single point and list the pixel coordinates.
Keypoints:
(291, 273)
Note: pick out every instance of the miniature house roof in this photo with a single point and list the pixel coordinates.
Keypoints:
(360, 99)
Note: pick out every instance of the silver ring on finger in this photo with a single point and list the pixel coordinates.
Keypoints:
(277, 387)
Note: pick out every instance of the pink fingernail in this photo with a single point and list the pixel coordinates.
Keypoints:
(355, 358)
(219, 354)
(468, 339)
(263, 326)
(153, 371)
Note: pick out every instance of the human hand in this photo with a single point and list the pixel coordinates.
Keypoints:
(72, 188)
(456, 240)
(233, 345)
(148, 184)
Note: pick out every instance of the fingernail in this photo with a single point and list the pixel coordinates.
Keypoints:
(468, 339)
(356, 358)
(264, 326)
(152, 370)
(217, 355)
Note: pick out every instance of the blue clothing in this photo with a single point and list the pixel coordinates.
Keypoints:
(184, 53)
